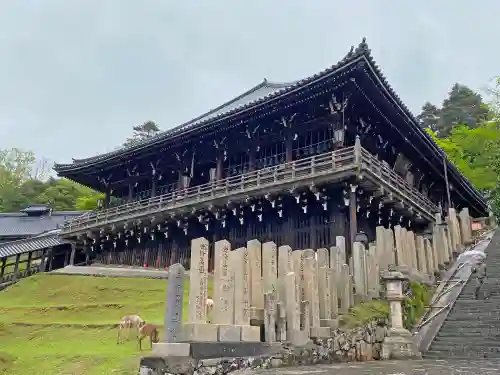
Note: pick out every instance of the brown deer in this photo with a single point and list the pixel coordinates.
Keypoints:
(128, 322)
(149, 330)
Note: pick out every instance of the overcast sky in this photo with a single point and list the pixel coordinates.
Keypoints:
(76, 75)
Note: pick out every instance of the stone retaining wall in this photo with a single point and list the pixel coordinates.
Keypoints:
(359, 344)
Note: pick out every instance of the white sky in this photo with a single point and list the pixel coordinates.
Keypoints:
(75, 76)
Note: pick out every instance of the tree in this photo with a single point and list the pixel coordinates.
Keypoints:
(15, 166)
(88, 202)
(142, 132)
(429, 117)
(462, 106)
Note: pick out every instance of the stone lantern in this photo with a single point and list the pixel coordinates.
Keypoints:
(399, 342)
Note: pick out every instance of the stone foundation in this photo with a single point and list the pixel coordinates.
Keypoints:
(359, 344)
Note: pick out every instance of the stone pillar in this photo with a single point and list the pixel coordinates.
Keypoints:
(465, 226)
(345, 290)
(412, 251)
(294, 334)
(432, 265)
(340, 243)
(269, 267)
(197, 328)
(353, 218)
(399, 342)
(323, 258)
(400, 248)
(454, 225)
(326, 285)
(358, 261)
(382, 250)
(390, 248)
(240, 266)
(270, 316)
(421, 255)
(373, 273)
(224, 292)
(284, 267)
(256, 288)
(173, 316)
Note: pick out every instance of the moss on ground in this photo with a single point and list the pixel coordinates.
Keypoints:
(55, 324)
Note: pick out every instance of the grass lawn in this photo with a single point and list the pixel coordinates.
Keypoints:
(64, 324)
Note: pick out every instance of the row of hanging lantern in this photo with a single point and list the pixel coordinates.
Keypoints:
(369, 205)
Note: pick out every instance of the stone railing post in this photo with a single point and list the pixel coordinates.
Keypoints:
(399, 342)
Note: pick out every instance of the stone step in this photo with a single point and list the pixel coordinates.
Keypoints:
(460, 348)
(469, 331)
(459, 341)
(456, 324)
(432, 354)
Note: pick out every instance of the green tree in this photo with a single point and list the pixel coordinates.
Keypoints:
(462, 106)
(141, 132)
(429, 117)
(88, 202)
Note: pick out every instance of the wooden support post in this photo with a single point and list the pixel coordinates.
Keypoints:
(219, 168)
(16, 266)
(130, 192)
(50, 258)
(153, 186)
(107, 197)
(289, 146)
(28, 263)
(2, 267)
(43, 260)
(353, 219)
(72, 256)
(251, 158)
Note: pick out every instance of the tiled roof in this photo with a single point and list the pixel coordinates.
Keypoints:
(258, 95)
(266, 92)
(42, 241)
(21, 225)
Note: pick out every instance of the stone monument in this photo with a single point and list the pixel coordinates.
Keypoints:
(173, 316)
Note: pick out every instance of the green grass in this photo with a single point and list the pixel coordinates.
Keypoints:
(365, 312)
(65, 324)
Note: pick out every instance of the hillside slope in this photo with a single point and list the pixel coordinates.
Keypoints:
(54, 324)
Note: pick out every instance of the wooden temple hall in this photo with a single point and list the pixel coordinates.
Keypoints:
(299, 163)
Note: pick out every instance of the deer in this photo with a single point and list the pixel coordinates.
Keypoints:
(149, 330)
(128, 322)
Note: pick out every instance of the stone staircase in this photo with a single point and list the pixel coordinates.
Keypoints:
(472, 327)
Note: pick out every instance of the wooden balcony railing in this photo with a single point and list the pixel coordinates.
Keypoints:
(304, 170)
(393, 181)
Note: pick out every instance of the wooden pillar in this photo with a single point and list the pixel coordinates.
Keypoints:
(28, 263)
(130, 192)
(107, 197)
(289, 146)
(43, 260)
(219, 167)
(72, 256)
(16, 266)
(2, 267)
(251, 159)
(180, 184)
(353, 219)
(153, 186)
